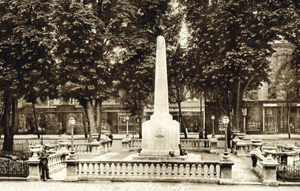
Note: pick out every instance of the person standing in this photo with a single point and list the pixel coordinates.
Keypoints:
(111, 138)
(44, 163)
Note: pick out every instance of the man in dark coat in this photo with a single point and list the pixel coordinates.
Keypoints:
(44, 163)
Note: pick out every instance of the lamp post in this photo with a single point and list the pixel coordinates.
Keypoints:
(213, 126)
(72, 123)
(244, 112)
(225, 121)
(127, 121)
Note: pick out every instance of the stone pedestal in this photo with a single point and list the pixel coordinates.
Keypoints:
(34, 170)
(269, 172)
(71, 171)
(126, 144)
(235, 140)
(160, 136)
(226, 172)
(95, 147)
(213, 145)
(241, 148)
(256, 144)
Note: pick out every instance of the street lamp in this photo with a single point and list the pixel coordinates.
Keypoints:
(244, 112)
(72, 122)
(225, 121)
(213, 126)
(127, 121)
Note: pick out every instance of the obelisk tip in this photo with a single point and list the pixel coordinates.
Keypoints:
(160, 42)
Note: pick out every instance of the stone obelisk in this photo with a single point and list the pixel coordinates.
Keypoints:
(160, 134)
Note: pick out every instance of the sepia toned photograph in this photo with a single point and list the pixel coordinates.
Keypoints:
(149, 95)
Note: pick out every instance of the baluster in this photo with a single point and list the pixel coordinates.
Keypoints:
(80, 170)
(193, 170)
(85, 169)
(151, 170)
(158, 170)
(204, 170)
(201, 171)
(123, 169)
(135, 169)
(93, 169)
(209, 170)
(175, 171)
(140, 169)
(128, 169)
(101, 169)
(89, 167)
(163, 170)
(146, 170)
(169, 174)
(181, 170)
(118, 169)
(187, 170)
(215, 171)
(107, 169)
(113, 169)
(96, 169)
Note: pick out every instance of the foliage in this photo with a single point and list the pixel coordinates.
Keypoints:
(230, 45)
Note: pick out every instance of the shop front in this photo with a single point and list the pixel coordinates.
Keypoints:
(271, 118)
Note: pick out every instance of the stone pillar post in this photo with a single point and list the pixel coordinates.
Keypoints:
(226, 172)
(34, 164)
(34, 170)
(213, 145)
(241, 148)
(269, 172)
(72, 166)
(235, 140)
(126, 144)
(256, 144)
(95, 147)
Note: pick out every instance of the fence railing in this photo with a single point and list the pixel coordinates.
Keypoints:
(288, 172)
(12, 168)
(149, 170)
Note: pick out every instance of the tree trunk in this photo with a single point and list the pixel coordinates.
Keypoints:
(8, 132)
(99, 116)
(237, 109)
(141, 118)
(91, 119)
(85, 130)
(35, 120)
(182, 127)
(288, 120)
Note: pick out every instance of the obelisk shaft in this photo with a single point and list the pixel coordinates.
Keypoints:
(161, 133)
(161, 102)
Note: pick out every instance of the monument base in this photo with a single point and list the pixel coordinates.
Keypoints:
(146, 152)
(161, 158)
(160, 136)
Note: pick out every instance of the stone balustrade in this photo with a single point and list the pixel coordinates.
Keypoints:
(265, 167)
(93, 147)
(55, 162)
(185, 171)
(187, 144)
(195, 144)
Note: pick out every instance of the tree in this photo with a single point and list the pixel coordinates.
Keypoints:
(230, 43)
(24, 56)
(135, 71)
(88, 36)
